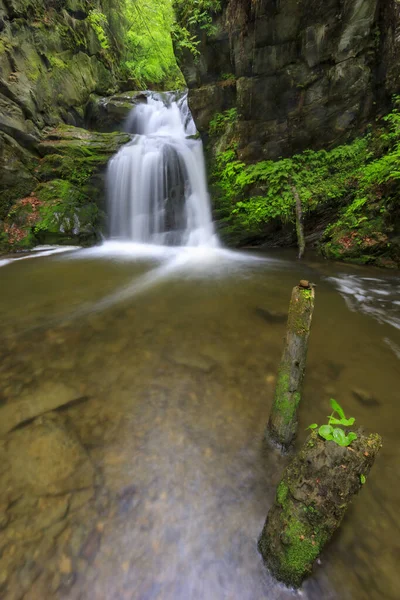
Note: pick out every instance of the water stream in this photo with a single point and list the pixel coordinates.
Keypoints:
(157, 183)
(151, 480)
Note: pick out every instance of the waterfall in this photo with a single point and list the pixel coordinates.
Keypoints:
(157, 189)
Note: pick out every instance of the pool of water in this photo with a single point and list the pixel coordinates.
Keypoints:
(152, 480)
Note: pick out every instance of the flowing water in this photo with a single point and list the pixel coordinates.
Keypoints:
(157, 183)
(171, 356)
(136, 381)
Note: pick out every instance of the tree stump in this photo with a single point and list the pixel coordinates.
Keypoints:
(310, 503)
(282, 425)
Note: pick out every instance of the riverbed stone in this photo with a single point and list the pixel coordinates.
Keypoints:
(48, 458)
(47, 396)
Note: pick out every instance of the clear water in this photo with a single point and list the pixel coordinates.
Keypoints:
(174, 354)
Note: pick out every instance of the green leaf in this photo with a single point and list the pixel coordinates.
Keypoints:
(344, 422)
(352, 436)
(325, 431)
(337, 408)
(340, 437)
(313, 426)
(363, 479)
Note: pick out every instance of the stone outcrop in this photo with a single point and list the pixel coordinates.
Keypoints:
(109, 113)
(302, 74)
(67, 201)
(52, 58)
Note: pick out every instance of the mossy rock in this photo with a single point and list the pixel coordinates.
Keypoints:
(18, 177)
(66, 211)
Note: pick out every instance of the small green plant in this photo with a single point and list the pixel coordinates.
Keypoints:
(363, 479)
(99, 23)
(220, 120)
(336, 434)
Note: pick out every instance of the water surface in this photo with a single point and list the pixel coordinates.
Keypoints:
(172, 358)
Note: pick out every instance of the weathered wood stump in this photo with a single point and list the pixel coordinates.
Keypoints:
(282, 425)
(310, 503)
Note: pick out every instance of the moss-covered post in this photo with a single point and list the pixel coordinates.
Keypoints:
(282, 425)
(311, 501)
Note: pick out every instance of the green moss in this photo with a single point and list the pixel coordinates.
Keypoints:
(303, 547)
(282, 493)
(99, 23)
(65, 212)
(285, 403)
(299, 312)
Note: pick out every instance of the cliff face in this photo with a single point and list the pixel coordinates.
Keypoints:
(301, 73)
(52, 57)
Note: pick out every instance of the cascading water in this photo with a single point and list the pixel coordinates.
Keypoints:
(157, 183)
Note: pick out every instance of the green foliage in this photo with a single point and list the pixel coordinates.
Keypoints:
(99, 23)
(361, 180)
(148, 56)
(317, 176)
(220, 121)
(336, 434)
(192, 17)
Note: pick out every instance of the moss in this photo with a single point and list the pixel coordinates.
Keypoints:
(303, 547)
(282, 493)
(285, 403)
(299, 313)
(66, 213)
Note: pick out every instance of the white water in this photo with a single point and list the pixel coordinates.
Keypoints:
(157, 183)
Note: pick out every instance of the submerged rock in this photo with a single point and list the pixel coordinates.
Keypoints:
(364, 397)
(48, 458)
(271, 317)
(193, 361)
(47, 397)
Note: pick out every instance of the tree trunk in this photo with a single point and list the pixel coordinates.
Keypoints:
(299, 223)
(311, 501)
(282, 425)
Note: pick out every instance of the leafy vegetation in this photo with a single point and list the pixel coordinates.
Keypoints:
(221, 120)
(336, 434)
(149, 57)
(360, 180)
(192, 18)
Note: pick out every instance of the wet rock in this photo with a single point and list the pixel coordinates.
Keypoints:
(48, 458)
(364, 397)
(108, 114)
(46, 397)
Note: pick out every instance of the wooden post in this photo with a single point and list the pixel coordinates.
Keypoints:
(311, 501)
(299, 223)
(282, 425)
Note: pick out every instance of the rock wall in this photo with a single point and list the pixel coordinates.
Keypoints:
(302, 73)
(52, 57)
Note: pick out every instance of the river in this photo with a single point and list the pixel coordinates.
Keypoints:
(169, 358)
